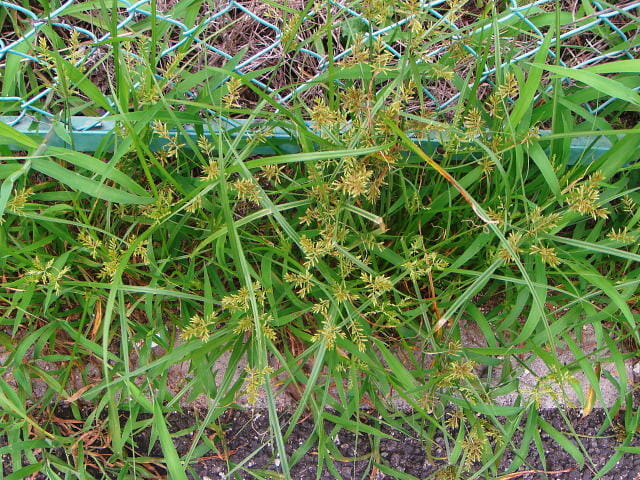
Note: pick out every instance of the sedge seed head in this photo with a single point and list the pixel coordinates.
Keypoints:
(199, 327)
(376, 285)
(450, 472)
(272, 173)
(621, 235)
(46, 273)
(322, 116)
(355, 181)
(547, 254)
(236, 302)
(629, 205)
(358, 336)
(329, 333)
(244, 325)
(493, 105)
(461, 370)
(454, 419)
(541, 223)
(247, 189)
(300, 281)
(513, 240)
(17, 203)
(583, 198)
(254, 381)
(205, 145)
(88, 242)
(473, 122)
(210, 171)
(473, 446)
(231, 98)
(509, 88)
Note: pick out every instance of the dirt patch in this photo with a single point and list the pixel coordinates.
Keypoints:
(242, 443)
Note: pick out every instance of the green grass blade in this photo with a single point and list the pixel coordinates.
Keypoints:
(171, 458)
(605, 85)
(86, 185)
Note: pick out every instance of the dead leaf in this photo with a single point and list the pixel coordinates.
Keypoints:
(78, 394)
(97, 320)
(590, 399)
(513, 475)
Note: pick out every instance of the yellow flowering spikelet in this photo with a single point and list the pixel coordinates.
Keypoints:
(355, 181)
(629, 205)
(583, 198)
(454, 419)
(323, 116)
(172, 147)
(509, 88)
(161, 207)
(88, 242)
(621, 235)
(232, 96)
(541, 223)
(254, 382)
(329, 333)
(314, 251)
(548, 254)
(236, 302)
(199, 327)
(358, 336)
(247, 189)
(142, 249)
(473, 446)
(450, 472)
(473, 122)
(513, 240)
(300, 281)
(461, 370)
(376, 285)
(210, 171)
(46, 273)
(19, 200)
(377, 10)
(422, 263)
(240, 301)
(342, 294)
(493, 104)
(245, 324)
(205, 145)
(272, 173)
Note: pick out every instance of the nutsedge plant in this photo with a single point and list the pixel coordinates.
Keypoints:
(414, 200)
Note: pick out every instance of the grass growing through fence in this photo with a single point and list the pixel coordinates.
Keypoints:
(343, 275)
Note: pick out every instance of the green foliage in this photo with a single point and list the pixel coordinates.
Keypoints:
(347, 271)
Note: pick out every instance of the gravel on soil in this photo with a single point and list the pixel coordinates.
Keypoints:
(243, 438)
(246, 433)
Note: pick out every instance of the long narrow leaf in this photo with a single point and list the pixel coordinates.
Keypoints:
(605, 85)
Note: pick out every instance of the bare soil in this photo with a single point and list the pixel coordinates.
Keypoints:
(243, 433)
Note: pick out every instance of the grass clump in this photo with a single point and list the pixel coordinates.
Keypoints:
(333, 239)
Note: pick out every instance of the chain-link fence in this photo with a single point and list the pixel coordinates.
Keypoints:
(258, 36)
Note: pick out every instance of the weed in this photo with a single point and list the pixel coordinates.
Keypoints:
(426, 169)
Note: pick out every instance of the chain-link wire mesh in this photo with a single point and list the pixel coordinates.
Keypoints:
(258, 35)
